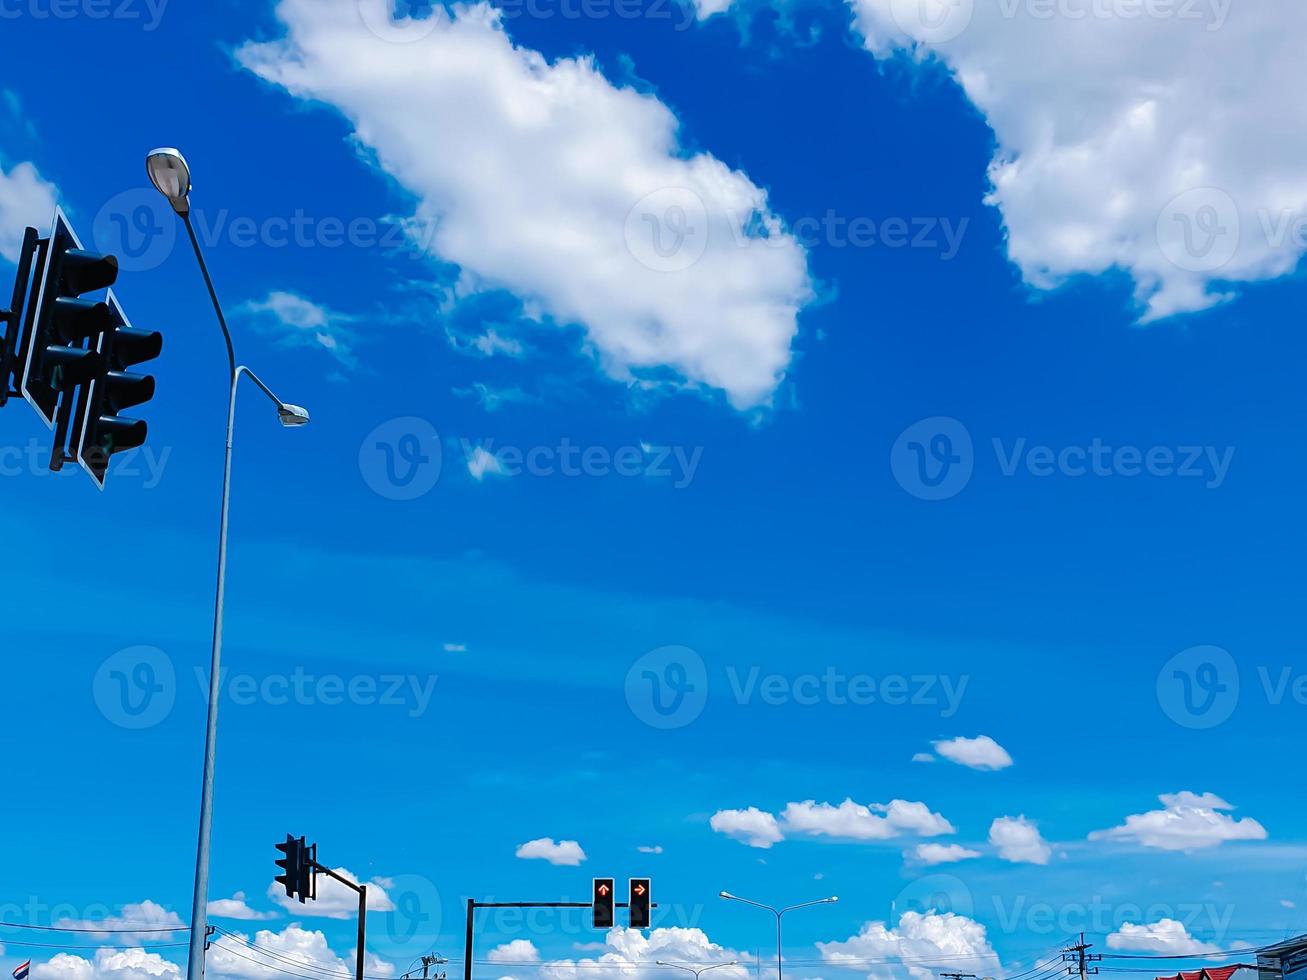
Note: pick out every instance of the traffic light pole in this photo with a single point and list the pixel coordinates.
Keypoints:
(363, 913)
(473, 905)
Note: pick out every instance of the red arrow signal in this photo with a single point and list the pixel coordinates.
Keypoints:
(640, 889)
(603, 889)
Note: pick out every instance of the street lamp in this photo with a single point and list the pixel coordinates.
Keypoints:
(778, 913)
(172, 177)
(690, 969)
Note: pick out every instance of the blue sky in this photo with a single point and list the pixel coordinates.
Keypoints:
(727, 421)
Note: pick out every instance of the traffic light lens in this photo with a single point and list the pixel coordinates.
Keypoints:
(84, 272)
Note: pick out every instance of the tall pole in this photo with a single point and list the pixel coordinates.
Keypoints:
(778, 943)
(779, 913)
(199, 903)
(363, 931)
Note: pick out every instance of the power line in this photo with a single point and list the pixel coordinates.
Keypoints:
(105, 930)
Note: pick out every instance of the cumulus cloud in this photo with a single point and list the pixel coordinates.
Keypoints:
(1189, 822)
(564, 852)
(26, 198)
(669, 260)
(482, 463)
(108, 964)
(1018, 840)
(755, 827)
(1118, 145)
(236, 908)
(942, 853)
(336, 901)
(1165, 937)
(975, 753)
(147, 915)
(853, 821)
(515, 951)
(919, 939)
(297, 321)
(632, 955)
(234, 956)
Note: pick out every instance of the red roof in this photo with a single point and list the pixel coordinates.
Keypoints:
(1210, 973)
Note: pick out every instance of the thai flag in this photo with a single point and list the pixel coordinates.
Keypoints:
(22, 970)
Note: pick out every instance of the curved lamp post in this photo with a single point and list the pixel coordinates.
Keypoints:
(172, 177)
(778, 913)
(690, 969)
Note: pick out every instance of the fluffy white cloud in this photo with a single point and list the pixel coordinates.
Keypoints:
(236, 908)
(919, 939)
(26, 198)
(336, 901)
(630, 954)
(1118, 144)
(650, 848)
(109, 964)
(755, 827)
(146, 915)
(853, 821)
(296, 321)
(264, 957)
(1189, 822)
(565, 852)
(942, 853)
(549, 181)
(975, 753)
(515, 951)
(1018, 840)
(482, 463)
(1166, 937)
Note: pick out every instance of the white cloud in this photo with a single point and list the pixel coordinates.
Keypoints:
(923, 757)
(975, 753)
(295, 946)
(481, 462)
(853, 821)
(454, 647)
(549, 181)
(1166, 937)
(109, 964)
(516, 951)
(919, 939)
(486, 344)
(236, 908)
(26, 198)
(1110, 123)
(942, 853)
(1288, 904)
(630, 954)
(1018, 840)
(336, 901)
(565, 852)
(755, 827)
(1189, 822)
(297, 321)
(650, 849)
(146, 915)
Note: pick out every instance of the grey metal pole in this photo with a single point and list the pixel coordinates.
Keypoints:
(363, 930)
(778, 943)
(199, 903)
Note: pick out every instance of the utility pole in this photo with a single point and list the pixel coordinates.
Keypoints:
(1079, 956)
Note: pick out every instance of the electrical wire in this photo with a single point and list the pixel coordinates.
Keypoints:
(142, 929)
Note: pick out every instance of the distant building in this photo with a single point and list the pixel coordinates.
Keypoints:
(1284, 961)
(1231, 971)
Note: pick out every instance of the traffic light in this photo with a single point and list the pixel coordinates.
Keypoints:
(297, 869)
(98, 430)
(603, 903)
(57, 347)
(639, 903)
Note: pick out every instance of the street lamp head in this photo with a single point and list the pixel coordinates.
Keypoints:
(171, 177)
(725, 895)
(833, 898)
(292, 415)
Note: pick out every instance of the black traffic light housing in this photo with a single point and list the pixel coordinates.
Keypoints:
(639, 903)
(299, 868)
(604, 903)
(56, 352)
(98, 430)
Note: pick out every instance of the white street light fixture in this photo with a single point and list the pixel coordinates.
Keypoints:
(171, 176)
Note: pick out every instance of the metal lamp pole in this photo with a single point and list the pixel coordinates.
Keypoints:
(171, 175)
(778, 913)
